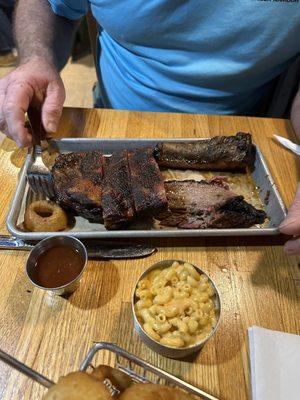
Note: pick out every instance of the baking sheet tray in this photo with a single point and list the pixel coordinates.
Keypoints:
(262, 189)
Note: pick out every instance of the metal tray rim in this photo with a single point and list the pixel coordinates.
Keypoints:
(136, 233)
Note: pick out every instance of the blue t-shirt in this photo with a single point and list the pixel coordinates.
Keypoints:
(199, 56)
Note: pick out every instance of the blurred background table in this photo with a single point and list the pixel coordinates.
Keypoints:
(258, 283)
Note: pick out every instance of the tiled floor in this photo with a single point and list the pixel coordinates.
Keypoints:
(78, 78)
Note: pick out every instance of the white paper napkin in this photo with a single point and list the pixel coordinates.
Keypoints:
(275, 364)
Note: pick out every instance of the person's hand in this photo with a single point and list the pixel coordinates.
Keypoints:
(38, 83)
(291, 226)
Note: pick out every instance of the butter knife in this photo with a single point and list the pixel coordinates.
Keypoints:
(295, 148)
(102, 250)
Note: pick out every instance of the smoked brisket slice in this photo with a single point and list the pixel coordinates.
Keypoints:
(77, 181)
(207, 204)
(147, 186)
(117, 203)
(217, 153)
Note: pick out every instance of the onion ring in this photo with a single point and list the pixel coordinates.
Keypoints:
(45, 216)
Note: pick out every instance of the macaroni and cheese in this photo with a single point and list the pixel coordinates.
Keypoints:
(175, 305)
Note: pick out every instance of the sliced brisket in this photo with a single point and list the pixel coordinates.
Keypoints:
(207, 204)
(217, 153)
(77, 182)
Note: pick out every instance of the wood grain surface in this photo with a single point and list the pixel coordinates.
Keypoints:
(257, 281)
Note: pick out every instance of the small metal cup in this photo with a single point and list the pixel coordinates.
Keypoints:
(159, 348)
(46, 244)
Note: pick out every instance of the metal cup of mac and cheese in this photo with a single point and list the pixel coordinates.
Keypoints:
(176, 308)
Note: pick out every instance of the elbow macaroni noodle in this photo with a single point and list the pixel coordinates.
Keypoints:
(175, 305)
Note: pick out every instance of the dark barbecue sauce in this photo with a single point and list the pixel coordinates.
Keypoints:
(57, 266)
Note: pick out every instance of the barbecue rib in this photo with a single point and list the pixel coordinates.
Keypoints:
(147, 186)
(77, 181)
(132, 187)
(117, 203)
(207, 204)
(217, 153)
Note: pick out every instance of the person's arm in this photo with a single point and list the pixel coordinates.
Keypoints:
(44, 42)
(41, 33)
(295, 114)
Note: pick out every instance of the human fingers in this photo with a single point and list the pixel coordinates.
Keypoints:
(292, 246)
(3, 85)
(15, 104)
(53, 105)
(291, 225)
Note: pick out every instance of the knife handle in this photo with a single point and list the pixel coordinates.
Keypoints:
(8, 242)
(35, 119)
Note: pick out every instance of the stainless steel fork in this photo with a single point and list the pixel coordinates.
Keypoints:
(39, 176)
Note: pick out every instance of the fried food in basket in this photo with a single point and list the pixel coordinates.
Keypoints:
(78, 386)
(118, 379)
(45, 216)
(86, 386)
(149, 391)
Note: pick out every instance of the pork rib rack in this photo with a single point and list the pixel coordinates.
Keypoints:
(132, 187)
(114, 190)
(77, 181)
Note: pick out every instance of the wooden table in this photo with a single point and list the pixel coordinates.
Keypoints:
(257, 281)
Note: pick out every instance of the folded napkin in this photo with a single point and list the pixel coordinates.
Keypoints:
(275, 364)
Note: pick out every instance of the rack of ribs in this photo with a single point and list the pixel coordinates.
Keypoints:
(217, 153)
(77, 181)
(132, 187)
(147, 184)
(117, 202)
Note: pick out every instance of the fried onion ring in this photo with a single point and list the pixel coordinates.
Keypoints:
(45, 216)
(149, 391)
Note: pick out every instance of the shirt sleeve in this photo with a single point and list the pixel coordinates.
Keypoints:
(71, 9)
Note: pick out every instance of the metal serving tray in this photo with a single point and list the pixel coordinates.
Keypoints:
(83, 229)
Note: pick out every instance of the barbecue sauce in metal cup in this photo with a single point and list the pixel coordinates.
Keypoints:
(56, 264)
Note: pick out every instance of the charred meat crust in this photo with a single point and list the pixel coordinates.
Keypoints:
(117, 203)
(77, 181)
(217, 153)
(207, 204)
(115, 189)
(147, 186)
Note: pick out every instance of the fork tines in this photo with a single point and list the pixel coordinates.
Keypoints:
(41, 184)
(39, 176)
